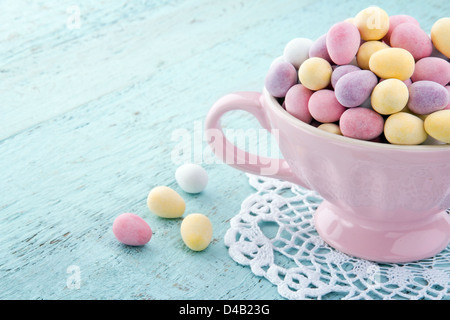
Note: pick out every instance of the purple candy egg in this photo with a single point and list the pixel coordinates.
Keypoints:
(355, 87)
(340, 71)
(280, 78)
(426, 97)
(319, 49)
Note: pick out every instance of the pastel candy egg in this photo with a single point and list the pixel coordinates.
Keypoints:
(448, 105)
(165, 202)
(191, 177)
(132, 230)
(319, 49)
(396, 20)
(390, 96)
(432, 69)
(361, 123)
(296, 102)
(280, 78)
(324, 106)
(404, 129)
(331, 128)
(366, 50)
(340, 71)
(296, 51)
(354, 88)
(395, 63)
(437, 125)
(372, 23)
(315, 73)
(426, 97)
(411, 37)
(440, 36)
(196, 231)
(343, 42)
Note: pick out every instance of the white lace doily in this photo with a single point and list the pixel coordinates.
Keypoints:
(274, 234)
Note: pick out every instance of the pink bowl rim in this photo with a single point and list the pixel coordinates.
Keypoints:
(346, 140)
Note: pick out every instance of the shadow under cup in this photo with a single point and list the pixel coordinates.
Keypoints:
(382, 202)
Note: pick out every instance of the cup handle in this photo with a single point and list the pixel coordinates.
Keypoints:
(234, 156)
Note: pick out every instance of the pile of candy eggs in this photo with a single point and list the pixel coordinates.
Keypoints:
(373, 77)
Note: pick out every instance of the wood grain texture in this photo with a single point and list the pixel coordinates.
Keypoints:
(86, 122)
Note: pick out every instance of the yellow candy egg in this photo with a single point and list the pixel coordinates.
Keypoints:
(404, 129)
(437, 125)
(331, 128)
(440, 36)
(394, 63)
(165, 202)
(315, 73)
(372, 23)
(196, 231)
(389, 96)
(366, 50)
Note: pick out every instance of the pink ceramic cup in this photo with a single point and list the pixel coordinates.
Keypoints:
(382, 202)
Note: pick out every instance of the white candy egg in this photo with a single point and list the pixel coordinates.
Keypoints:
(191, 177)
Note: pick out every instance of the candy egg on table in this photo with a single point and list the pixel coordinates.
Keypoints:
(196, 231)
(426, 97)
(437, 125)
(440, 36)
(132, 230)
(389, 96)
(191, 177)
(296, 51)
(315, 73)
(395, 63)
(404, 129)
(165, 202)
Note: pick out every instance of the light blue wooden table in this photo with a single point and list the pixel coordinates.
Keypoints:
(93, 97)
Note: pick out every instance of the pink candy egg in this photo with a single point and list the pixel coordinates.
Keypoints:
(355, 87)
(132, 230)
(296, 102)
(319, 49)
(411, 37)
(361, 123)
(396, 20)
(280, 78)
(343, 41)
(426, 97)
(432, 69)
(324, 106)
